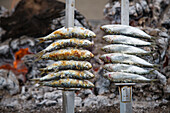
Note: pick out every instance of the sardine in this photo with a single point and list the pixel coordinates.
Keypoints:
(125, 58)
(73, 42)
(126, 77)
(125, 30)
(120, 39)
(68, 54)
(126, 68)
(119, 48)
(65, 64)
(68, 83)
(67, 33)
(66, 74)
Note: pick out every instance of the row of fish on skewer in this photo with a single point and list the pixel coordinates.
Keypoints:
(70, 69)
(121, 63)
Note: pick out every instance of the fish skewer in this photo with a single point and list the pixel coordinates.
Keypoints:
(68, 83)
(126, 68)
(125, 30)
(125, 58)
(67, 33)
(120, 39)
(73, 42)
(65, 64)
(120, 48)
(126, 77)
(68, 54)
(66, 74)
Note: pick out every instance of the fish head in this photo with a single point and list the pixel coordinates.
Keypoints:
(89, 74)
(104, 28)
(87, 65)
(89, 84)
(90, 34)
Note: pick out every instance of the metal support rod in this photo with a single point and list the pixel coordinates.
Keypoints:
(68, 101)
(125, 92)
(70, 5)
(125, 89)
(125, 12)
(68, 96)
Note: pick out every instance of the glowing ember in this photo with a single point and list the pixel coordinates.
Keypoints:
(18, 65)
(18, 55)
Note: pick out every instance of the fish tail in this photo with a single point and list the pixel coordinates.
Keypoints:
(154, 80)
(39, 55)
(40, 83)
(36, 80)
(151, 71)
(154, 38)
(37, 59)
(156, 66)
(41, 69)
(154, 45)
(41, 40)
(150, 53)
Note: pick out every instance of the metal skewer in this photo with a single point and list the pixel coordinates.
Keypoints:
(125, 89)
(68, 96)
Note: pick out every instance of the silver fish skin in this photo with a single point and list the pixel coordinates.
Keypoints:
(69, 83)
(125, 58)
(125, 77)
(125, 30)
(66, 74)
(120, 48)
(67, 33)
(121, 39)
(62, 43)
(65, 64)
(68, 54)
(126, 68)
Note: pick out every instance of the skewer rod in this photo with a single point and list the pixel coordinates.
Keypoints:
(68, 96)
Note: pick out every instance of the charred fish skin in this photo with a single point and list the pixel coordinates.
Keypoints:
(75, 74)
(125, 30)
(68, 54)
(65, 64)
(125, 77)
(73, 42)
(126, 68)
(125, 58)
(68, 33)
(120, 39)
(69, 83)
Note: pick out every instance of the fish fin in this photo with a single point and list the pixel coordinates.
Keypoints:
(41, 40)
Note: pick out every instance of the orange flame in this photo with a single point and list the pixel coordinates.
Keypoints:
(18, 65)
